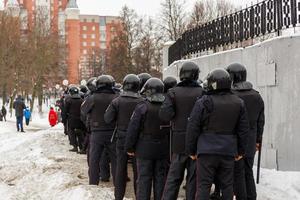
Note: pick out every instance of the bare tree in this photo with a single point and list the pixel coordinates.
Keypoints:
(173, 18)
(207, 10)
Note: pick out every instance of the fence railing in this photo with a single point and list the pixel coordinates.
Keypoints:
(268, 16)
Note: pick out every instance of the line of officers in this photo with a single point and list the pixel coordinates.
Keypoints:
(207, 132)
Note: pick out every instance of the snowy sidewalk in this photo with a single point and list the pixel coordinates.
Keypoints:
(37, 165)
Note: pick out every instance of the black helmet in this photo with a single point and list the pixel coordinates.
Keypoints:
(144, 77)
(91, 84)
(218, 79)
(104, 81)
(131, 83)
(169, 82)
(189, 71)
(73, 90)
(112, 79)
(154, 89)
(238, 72)
(83, 89)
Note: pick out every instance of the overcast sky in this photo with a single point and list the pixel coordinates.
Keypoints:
(142, 7)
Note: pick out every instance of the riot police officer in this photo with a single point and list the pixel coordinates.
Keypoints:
(83, 91)
(75, 126)
(120, 111)
(144, 77)
(217, 135)
(101, 132)
(169, 82)
(244, 179)
(177, 108)
(148, 142)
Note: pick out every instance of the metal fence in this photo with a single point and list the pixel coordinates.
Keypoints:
(268, 16)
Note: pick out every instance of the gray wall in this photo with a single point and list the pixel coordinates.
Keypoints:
(274, 69)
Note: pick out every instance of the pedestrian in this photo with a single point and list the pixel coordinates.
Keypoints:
(52, 117)
(119, 112)
(101, 132)
(19, 107)
(217, 135)
(177, 108)
(4, 112)
(27, 115)
(75, 125)
(148, 142)
(244, 180)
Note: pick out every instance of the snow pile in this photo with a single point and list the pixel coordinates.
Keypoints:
(38, 165)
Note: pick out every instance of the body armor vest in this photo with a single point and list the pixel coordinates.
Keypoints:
(253, 103)
(101, 102)
(185, 98)
(125, 110)
(224, 115)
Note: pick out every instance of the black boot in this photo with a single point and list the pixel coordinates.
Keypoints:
(215, 196)
(82, 151)
(74, 149)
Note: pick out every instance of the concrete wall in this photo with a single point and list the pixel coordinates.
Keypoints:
(274, 69)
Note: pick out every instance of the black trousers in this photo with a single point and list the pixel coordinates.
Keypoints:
(76, 137)
(150, 172)
(179, 163)
(121, 172)
(239, 180)
(104, 165)
(209, 167)
(250, 183)
(98, 143)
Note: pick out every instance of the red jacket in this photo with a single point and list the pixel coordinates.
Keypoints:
(52, 118)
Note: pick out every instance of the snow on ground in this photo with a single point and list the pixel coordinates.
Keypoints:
(37, 165)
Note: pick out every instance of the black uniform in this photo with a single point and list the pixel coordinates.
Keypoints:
(101, 132)
(120, 112)
(244, 179)
(75, 125)
(145, 138)
(217, 132)
(177, 107)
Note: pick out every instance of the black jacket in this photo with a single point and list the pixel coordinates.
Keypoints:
(197, 142)
(19, 107)
(3, 110)
(72, 111)
(144, 135)
(255, 109)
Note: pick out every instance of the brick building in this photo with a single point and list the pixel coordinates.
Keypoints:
(87, 37)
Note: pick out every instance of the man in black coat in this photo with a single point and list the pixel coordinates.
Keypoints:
(119, 112)
(217, 135)
(75, 125)
(4, 112)
(177, 108)
(148, 142)
(101, 132)
(244, 179)
(19, 107)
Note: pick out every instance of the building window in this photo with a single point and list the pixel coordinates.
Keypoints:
(93, 28)
(84, 51)
(84, 36)
(93, 36)
(93, 44)
(84, 44)
(93, 20)
(84, 20)
(103, 45)
(84, 28)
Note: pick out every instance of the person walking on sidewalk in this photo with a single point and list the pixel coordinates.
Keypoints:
(19, 106)
(27, 115)
(4, 112)
(52, 117)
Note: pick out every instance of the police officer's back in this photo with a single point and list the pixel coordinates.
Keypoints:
(94, 107)
(148, 142)
(244, 179)
(177, 108)
(75, 126)
(217, 133)
(119, 112)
